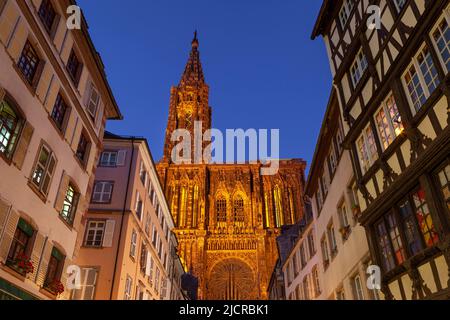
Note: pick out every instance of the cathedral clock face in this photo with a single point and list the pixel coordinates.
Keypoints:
(232, 279)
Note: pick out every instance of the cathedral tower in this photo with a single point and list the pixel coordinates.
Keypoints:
(227, 216)
(188, 102)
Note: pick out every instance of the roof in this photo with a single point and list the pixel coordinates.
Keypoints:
(100, 65)
(323, 18)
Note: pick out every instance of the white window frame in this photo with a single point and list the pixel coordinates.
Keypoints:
(139, 208)
(423, 85)
(344, 13)
(358, 68)
(46, 169)
(357, 287)
(331, 235)
(102, 193)
(108, 159)
(92, 103)
(93, 225)
(391, 133)
(445, 16)
(128, 286)
(399, 5)
(371, 156)
(343, 214)
(133, 244)
(84, 277)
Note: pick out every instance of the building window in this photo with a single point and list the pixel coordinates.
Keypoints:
(221, 209)
(340, 294)
(157, 275)
(70, 204)
(102, 192)
(88, 285)
(20, 245)
(389, 122)
(143, 259)
(367, 149)
(148, 224)
(424, 218)
(10, 127)
(47, 14)
(311, 244)
(325, 253)
(133, 244)
(396, 240)
(74, 67)
(332, 159)
(332, 240)
(325, 181)
(94, 233)
(444, 181)
(421, 79)
(154, 236)
(139, 206)
(358, 68)
(143, 173)
(302, 256)
(357, 288)
(29, 62)
(344, 13)
(306, 292)
(319, 197)
(385, 247)
(441, 37)
(108, 159)
(93, 101)
(54, 271)
(128, 286)
(44, 170)
(83, 149)
(316, 280)
(238, 209)
(59, 112)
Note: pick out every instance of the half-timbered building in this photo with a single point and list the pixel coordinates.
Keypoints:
(390, 61)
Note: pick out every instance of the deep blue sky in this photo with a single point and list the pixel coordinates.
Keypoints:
(262, 68)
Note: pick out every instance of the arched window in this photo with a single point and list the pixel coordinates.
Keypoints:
(278, 208)
(238, 209)
(221, 209)
(10, 125)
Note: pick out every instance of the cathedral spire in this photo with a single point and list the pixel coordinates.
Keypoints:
(193, 73)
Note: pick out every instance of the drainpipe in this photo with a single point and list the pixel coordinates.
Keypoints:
(123, 217)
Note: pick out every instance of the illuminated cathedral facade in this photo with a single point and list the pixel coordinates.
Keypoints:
(227, 216)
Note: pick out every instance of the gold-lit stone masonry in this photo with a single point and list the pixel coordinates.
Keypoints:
(227, 216)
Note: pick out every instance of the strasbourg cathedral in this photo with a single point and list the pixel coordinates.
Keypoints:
(227, 216)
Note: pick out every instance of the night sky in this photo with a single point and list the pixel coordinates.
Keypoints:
(263, 70)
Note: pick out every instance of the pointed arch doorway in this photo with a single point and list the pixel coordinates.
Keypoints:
(232, 279)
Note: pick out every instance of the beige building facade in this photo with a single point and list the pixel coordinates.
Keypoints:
(54, 102)
(331, 256)
(128, 251)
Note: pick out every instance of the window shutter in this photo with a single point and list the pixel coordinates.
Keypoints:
(43, 265)
(37, 75)
(121, 158)
(8, 234)
(109, 233)
(64, 185)
(4, 212)
(64, 277)
(22, 147)
(81, 209)
(78, 75)
(148, 266)
(39, 243)
(99, 119)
